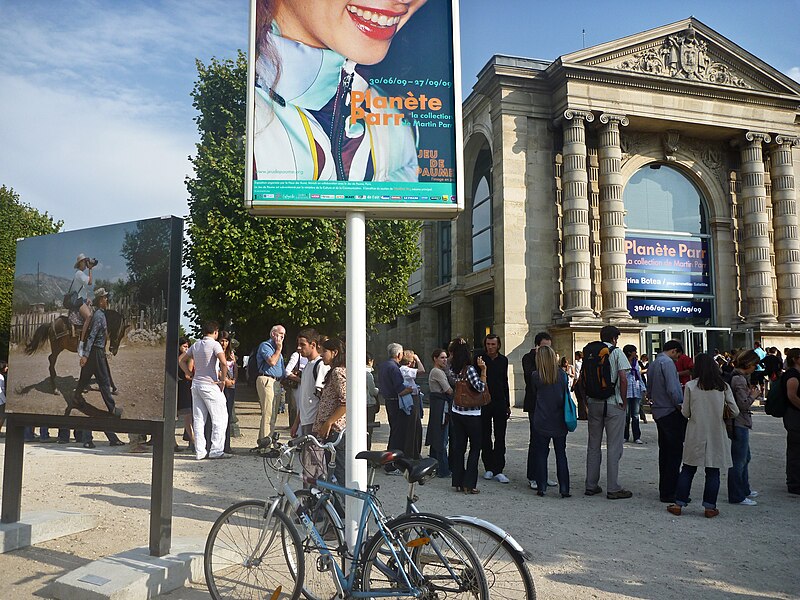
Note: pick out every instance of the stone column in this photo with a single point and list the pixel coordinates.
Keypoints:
(758, 269)
(784, 224)
(577, 257)
(613, 285)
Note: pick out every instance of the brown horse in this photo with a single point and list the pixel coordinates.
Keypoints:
(62, 336)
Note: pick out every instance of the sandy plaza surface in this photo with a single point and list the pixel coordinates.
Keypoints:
(581, 547)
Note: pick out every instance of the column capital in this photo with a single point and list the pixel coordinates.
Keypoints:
(789, 140)
(574, 113)
(606, 118)
(757, 137)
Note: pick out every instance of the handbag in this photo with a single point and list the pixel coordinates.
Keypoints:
(570, 411)
(728, 418)
(465, 396)
(70, 298)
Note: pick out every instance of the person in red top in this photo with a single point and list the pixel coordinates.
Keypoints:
(685, 366)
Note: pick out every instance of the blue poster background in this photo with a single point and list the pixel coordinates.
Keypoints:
(675, 309)
(667, 265)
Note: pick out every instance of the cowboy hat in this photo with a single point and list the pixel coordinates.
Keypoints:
(79, 260)
(100, 292)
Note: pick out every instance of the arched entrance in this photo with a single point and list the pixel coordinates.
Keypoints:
(669, 261)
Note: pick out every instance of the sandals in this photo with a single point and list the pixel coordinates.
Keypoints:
(472, 491)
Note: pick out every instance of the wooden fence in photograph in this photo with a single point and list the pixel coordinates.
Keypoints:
(140, 316)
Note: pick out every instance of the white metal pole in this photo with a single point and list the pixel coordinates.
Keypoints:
(356, 349)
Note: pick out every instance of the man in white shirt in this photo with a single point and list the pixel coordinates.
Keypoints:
(307, 400)
(207, 396)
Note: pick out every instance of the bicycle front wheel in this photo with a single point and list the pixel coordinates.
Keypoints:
(248, 556)
(435, 558)
(507, 573)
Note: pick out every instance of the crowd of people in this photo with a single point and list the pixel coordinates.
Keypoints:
(701, 408)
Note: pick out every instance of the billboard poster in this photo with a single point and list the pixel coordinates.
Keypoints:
(354, 106)
(675, 309)
(115, 280)
(667, 265)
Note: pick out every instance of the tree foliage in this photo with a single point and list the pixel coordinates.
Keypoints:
(255, 272)
(146, 253)
(17, 220)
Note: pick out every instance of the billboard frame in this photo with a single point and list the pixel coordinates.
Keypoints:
(372, 209)
(163, 431)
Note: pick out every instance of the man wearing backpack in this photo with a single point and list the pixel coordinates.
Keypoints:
(605, 377)
(664, 389)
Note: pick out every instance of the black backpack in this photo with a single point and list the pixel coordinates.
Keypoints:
(596, 370)
(776, 399)
(252, 367)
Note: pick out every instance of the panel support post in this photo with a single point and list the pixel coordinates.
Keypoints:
(356, 349)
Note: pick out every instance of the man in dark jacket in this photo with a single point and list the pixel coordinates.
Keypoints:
(495, 415)
(529, 366)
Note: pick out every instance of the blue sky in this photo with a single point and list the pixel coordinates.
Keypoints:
(96, 121)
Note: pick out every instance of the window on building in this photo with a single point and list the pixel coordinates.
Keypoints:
(483, 315)
(445, 252)
(444, 329)
(661, 198)
(482, 212)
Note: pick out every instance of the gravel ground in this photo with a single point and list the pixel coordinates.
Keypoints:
(582, 547)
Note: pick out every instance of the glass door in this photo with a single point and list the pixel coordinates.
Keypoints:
(654, 340)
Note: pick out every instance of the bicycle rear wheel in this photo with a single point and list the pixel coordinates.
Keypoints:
(248, 556)
(434, 557)
(507, 573)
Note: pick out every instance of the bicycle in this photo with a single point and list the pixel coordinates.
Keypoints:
(255, 548)
(504, 560)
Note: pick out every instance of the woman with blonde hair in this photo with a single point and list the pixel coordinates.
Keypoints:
(706, 444)
(551, 388)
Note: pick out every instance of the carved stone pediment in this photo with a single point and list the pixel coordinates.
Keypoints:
(684, 56)
(686, 51)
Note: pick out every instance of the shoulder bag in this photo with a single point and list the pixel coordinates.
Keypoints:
(465, 396)
(570, 411)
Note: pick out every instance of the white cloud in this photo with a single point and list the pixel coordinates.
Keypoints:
(794, 73)
(88, 160)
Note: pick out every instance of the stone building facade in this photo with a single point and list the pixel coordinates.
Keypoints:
(648, 183)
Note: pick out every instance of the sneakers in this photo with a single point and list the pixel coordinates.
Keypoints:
(488, 475)
(748, 502)
(501, 478)
(752, 494)
(220, 456)
(532, 484)
(551, 483)
(638, 442)
(620, 495)
(394, 472)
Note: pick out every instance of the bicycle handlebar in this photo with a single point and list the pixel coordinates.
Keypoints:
(309, 438)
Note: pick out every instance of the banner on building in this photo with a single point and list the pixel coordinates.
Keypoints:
(354, 108)
(674, 309)
(667, 265)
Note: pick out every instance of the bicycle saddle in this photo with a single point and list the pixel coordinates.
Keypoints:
(417, 471)
(376, 458)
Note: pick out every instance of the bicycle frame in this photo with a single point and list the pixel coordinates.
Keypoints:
(344, 582)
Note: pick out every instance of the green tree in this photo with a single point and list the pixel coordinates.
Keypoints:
(146, 253)
(17, 220)
(255, 272)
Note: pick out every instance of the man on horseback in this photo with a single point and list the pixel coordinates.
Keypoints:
(93, 357)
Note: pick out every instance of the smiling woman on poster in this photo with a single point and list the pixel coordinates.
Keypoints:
(316, 117)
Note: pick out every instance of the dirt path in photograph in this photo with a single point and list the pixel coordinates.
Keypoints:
(581, 547)
(133, 370)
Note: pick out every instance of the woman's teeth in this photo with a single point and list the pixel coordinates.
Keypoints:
(374, 18)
